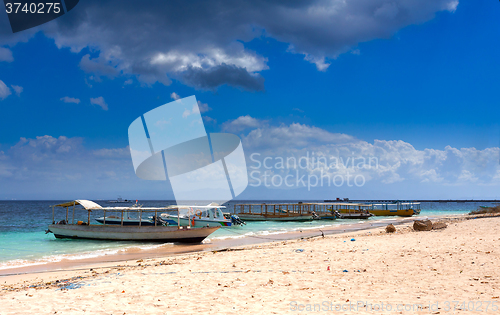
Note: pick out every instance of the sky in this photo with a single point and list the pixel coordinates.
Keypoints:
(410, 84)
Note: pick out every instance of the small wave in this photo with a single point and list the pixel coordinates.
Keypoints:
(17, 263)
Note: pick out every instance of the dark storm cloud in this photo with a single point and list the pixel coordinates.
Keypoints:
(222, 74)
(201, 42)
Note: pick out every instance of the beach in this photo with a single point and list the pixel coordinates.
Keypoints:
(368, 271)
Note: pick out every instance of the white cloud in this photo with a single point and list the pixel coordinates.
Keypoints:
(58, 167)
(188, 112)
(197, 109)
(320, 62)
(179, 61)
(174, 96)
(4, 90)
(211, 120)
(18, 89)
(68, 99)
(241, 123)
(46, 165)
(163, 122)
(127, 82)
(203, 107)
(394, 161)
(452, 6)
(294, 135)
(6, 54)
(466, 175)
(99, 101)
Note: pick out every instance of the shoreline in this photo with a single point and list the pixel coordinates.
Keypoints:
(169, 249)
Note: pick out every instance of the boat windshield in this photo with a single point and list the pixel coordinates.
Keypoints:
(202, 213)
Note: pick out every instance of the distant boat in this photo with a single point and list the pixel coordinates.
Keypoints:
(110, 230)
(120, 200)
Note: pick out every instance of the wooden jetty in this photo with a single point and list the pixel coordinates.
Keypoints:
(284, 212)
(306, 211)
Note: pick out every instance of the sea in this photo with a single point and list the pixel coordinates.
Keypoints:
(24, 241)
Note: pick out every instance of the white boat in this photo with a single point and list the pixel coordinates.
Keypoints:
(159, 232)
(198, 216)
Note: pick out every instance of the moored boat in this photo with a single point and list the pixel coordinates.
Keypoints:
(110, 230)
(132, 233)
(402, 209)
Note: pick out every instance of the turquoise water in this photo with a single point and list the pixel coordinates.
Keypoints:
(23, 223)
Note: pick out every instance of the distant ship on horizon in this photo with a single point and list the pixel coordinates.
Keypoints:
(120, 200)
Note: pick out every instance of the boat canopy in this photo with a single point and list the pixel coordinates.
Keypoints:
(337, 204)
(87, 204)
(208, 212)
(210, 206)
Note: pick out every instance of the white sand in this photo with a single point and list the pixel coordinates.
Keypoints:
(459, 263)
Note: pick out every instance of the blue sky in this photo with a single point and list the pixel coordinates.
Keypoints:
(429, 80)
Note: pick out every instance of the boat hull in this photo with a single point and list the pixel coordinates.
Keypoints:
(361, 216)
(167, 234)
(327, 217)
(263, 217)
(401, 213)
